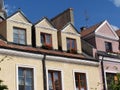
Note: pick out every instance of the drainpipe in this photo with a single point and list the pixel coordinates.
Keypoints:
(44, 72)
(102, 70)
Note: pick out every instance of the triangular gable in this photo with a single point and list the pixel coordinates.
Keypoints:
(69, 28)
(106, 30)
(19, 16)
(44, 23)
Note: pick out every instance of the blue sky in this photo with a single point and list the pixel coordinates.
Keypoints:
(96, 10)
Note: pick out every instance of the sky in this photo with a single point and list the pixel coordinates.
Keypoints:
(95, 10)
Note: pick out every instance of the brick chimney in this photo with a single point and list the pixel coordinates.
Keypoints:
(63, 18)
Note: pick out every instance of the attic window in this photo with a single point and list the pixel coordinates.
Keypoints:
(71, 45)
(46, 40)
(108, 46)
(19, 36)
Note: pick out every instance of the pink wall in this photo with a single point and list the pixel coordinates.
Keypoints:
(100, 44)
(111, 66)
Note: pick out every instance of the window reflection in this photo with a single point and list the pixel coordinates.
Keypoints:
(54, 80)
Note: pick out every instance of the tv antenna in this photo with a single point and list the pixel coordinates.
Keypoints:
(86, 18)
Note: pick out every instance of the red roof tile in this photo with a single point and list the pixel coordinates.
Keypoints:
(118, 32)
(90, 30)
(4, 44)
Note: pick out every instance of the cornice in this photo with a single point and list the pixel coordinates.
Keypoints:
(47, 28)
(72, 60)
(21, 54)
(19, 22)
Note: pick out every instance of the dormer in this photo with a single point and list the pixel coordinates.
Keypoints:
(69, 39)
(102, 37)
(16, 29)
(45, 35)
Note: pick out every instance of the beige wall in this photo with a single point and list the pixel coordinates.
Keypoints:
(11, 24)
(48, 31)
(8, 71)
(64, 43)
(67, 69)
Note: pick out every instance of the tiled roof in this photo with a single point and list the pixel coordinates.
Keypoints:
(118, 32)
(29, 49)
(90, 30)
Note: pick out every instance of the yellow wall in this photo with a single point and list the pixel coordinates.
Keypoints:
(68, 69)
(8, 71)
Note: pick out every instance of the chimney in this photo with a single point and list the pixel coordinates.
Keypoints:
(83, 28)
(63, 18)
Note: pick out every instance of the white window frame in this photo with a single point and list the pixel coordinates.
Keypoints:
(62, 78)
(80, 71)
(34, 74)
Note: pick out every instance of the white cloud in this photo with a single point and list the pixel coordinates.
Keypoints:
(115, 27)
(116, 2)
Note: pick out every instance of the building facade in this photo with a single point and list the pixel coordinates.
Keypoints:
(41, 57)
(103, 44)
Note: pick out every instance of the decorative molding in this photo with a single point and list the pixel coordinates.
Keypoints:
(21, 54)
(71, 33)
(71, 60)
(19, 22)
(47, 28)
(106, 37)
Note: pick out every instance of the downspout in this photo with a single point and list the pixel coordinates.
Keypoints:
(44, 72)
(103, 76)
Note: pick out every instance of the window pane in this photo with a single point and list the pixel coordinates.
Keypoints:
(25, 79)
(68, 44)
(42, 39)
(50, 81)
(73, 43)
(54, 80)
(21, 80)
(80, 80)
(28, 82)
(28, 88)
(21, 41)
(108, 46)
(21, 87)
(18, 35)
(48, 39)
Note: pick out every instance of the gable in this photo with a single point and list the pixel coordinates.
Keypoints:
(70, 29)
(107, 31)
(44, 23)
(18, 17)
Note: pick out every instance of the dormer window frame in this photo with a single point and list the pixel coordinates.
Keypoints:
(44, 42)
(70, 41)
(18, 29)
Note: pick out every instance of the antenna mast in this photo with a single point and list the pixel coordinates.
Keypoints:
(86, 17)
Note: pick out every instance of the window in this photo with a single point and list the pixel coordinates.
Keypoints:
(80, 81)
(25, 78)
(71, 45)
(108, 46)
(46, 39)
(111, 78)
(54, 80)
(19, 36)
